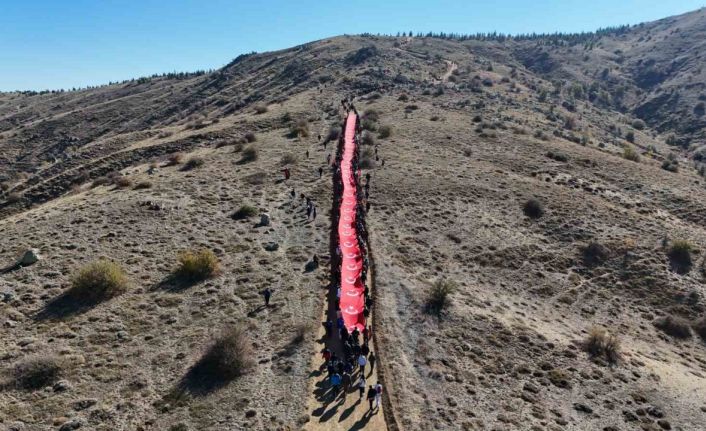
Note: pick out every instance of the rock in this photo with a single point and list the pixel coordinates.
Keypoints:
(250, 413)
(529, 387)
(271, 246)
(629, 416)
(655, 412)
(71, 425)
(29, 257)
(84, 404)
(264, 219)
(61, 386)
(665, 425)
(580, 407)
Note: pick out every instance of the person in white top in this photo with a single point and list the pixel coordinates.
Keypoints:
(378, 395)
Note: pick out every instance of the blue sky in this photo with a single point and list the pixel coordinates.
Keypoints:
(49, 44)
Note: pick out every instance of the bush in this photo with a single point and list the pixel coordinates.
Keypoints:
(673, 326)
(193, 163)
(384, 132)
(367, 139)
(533, 209)
(143, 185)
(600, 343)
(250, 137)
(288, 159)
(333, 134)
(122, 182)
(100, 181)
(570, 123)
(403, 98)
(670, 165)
(438, 296)
(249, 154)
(260, 109)
(559, 157)
(371, 115)
(638, 124)
(300, 129)
(629, 153)
(700, 327)
(245, 211)
(229, 356)
(630, 137)
(679, 253)
(174, 159)
(196, 265)
(14, 198)
(36, 372)
(594, 254)
(98, 281)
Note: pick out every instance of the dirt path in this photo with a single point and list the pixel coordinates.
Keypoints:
(452, 66)
(346, 411)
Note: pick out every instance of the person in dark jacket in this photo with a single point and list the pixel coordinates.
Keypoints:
(371, 396)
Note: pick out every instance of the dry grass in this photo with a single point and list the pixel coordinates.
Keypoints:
(288, 159)
(260, 108)
(36, 372)
(250, 137)
(601, 343)
(384, 132)
(98, 281)
(122, 182)
(299, 130)
(142, 185)
(196, 265)
(699, 327)
(629, 153)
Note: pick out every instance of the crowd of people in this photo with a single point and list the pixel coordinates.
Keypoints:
(346, 370)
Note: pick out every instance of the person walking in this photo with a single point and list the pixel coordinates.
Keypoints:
(362, 362)
(267, 293)
(326, 355)
(371, 360)
(329, 327)
(371, 396)
(361, 387)
(378, 395)
(313, 213)
(307, 154)
(347, 381)
(336, 383)
(321, 172)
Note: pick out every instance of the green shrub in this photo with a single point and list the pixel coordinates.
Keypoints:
(630, 137)
(36, 372)
(371, 115)
(196, 265)
(559, 157)
(438, 296)
(122, 182)
(384, 132)
(143, 185)
(299, 130)
(245, 211)
(98, 281)
(367, 139)
(638, 124)
(533, 209)
(333, 134)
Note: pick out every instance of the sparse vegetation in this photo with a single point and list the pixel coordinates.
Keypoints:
(143, 185)
(260, 108)
(14, 197)
(250, 137)
(288, 159)
(100, 181)
(249, 154)
(438, 296)
(602, 344)
(36, 372)
(229, 356)
(559, 157)
(98, 281)
(533, 209)
(384, 132)
(196, 265)
(594, 254)
(174, 159)
(638, 125)
(193, 163)
(673, 326)
(629, 153)
(244, 212)
(122, 182)
(699, 327)
(333, 134)
(367, 139)
(300, 129)
(679, 254)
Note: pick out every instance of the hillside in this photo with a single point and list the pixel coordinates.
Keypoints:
(604, 131)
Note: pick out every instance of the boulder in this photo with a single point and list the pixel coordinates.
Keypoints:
(29, 257)
(264, 219)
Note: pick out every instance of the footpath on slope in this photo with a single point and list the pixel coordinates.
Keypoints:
(346, 410)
